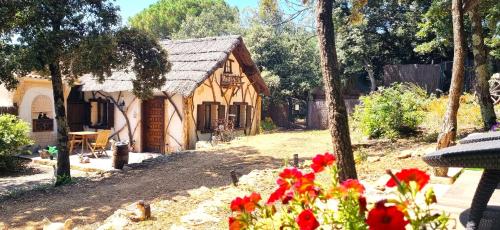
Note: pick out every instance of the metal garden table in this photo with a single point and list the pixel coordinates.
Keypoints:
(479, 150)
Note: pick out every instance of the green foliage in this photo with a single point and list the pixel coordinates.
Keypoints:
(289, 53)
(77, 37)
(436, 28)
(267, 124)
(163, 18)
(391, 111)
(384, 35)
(63, 180)
(468, 116)
(218, 19)
(14, 134)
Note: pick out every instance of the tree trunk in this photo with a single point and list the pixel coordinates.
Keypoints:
(371, 76)
(337, 113)
(63, 166)
(449, 128)
(481, 70)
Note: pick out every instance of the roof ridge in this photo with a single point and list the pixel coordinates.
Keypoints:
(190, 40)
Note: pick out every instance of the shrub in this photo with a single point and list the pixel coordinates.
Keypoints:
(14, 134)
(469, 113)
(300, 202)
(391, 111)
(267, 124)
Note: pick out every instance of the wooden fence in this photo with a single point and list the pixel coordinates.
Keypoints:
(428, 76)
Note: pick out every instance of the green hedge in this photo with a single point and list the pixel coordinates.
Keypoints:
(391, 112)
(14, 134)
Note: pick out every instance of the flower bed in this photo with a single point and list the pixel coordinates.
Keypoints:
(300, 202)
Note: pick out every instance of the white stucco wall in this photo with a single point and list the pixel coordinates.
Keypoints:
(6, 99)
(173, 123)
(133, 109)
(25, 113)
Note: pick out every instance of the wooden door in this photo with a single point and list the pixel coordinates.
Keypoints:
(153, 121)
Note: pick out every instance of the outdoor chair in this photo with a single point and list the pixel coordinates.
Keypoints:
(479, 150)
(99, 146)
(75, 141)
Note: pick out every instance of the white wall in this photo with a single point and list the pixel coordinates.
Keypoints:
(25, 113)
(133, 109)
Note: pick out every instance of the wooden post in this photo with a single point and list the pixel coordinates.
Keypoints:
(185, 123)
(296, 160)
(234, 178)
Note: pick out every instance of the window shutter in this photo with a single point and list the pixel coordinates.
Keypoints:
(86, 111)
(221, 110)
(213, 116)
(111, 115)
(232, 111)
(249, 116)
(243, 116)
(200, 117)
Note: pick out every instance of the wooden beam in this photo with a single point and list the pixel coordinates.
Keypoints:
(185, 123)
(169, 98)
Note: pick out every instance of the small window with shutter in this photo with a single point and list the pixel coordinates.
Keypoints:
(102, 113)
(207, 116)
(238, 113)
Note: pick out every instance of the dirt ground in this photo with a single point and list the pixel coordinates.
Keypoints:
(90, 201)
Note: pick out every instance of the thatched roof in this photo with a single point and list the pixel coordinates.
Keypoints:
(193, 61)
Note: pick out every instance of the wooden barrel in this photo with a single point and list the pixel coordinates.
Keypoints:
(120, 155)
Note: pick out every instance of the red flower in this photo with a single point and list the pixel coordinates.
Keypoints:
(305, 183)
(255, 197)
(235, 224)
(276, 195)
(352, 185)
(407, 175)
(287, 198)
(322, 161)
(382, 218)
(245, 204)
(290, 173)
(237, 204)
(307, 221)
(362, 205)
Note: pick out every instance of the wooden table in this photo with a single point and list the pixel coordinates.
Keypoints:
(85, 135)
(480, 150)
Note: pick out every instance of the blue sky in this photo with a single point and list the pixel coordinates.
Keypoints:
(129, 8)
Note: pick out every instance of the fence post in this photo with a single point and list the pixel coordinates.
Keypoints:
(296, 160)
(234, 178)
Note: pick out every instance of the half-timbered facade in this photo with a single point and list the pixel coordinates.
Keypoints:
(212, 79)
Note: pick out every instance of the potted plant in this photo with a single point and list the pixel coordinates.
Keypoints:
(53, 152)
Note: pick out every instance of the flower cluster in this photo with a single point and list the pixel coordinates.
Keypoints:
(301, 202)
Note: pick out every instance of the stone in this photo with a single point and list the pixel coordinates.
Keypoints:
(373, 159)
(198, 192)
(198, 216)
(381, 181)
(405, 154)
(177, 227)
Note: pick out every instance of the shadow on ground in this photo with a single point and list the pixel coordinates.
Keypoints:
(88, 201)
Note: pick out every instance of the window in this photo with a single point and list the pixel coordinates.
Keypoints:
(101, 114)
(208, 115)
(41, 114)
(228, 66)
(241, 113)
